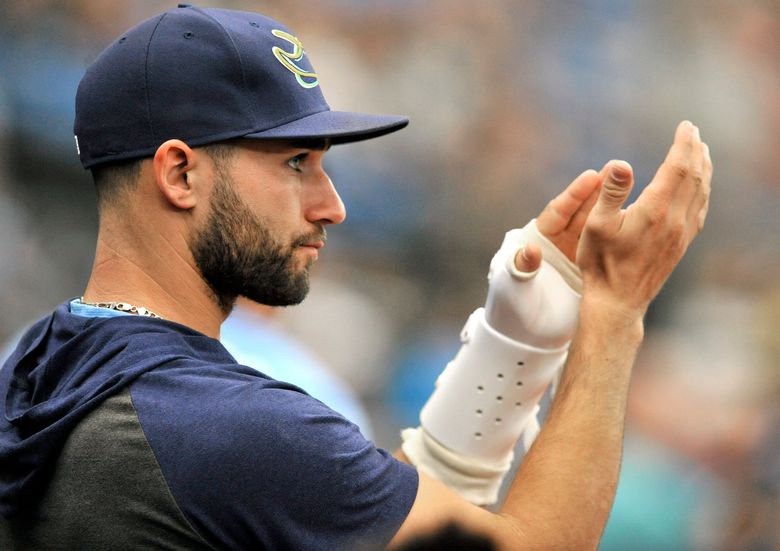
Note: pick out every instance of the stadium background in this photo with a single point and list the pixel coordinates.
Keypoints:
(509, 101)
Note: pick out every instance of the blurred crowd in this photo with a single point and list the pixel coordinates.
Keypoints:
(509, 101)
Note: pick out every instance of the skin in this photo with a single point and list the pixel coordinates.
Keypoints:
(562, 495)
(144, 252)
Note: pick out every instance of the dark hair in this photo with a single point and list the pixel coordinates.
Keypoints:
(112, 179)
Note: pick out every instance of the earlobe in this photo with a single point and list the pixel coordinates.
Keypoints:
(172, 165)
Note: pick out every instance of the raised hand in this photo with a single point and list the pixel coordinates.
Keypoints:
(626, 255)
(562, 220)
(539, 307)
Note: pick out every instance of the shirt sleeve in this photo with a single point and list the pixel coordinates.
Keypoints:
(256, 463)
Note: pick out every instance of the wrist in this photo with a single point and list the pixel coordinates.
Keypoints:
(619, 320)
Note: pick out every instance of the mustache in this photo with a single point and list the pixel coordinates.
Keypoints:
(318, 235)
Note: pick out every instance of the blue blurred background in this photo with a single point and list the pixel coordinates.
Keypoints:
(509, 101)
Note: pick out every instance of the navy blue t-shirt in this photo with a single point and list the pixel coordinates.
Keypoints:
(250, 462)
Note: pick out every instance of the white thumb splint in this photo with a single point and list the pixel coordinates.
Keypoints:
(539, 308)
(489, 393)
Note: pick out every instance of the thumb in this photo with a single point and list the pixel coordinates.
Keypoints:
(528, 259)
(618, 181)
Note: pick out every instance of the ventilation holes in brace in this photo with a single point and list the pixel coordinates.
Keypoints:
(253, 24)
(479, 413)
(519, 383)
(500, 376)
(188, 35)
(499, 398)
(122, 39)
(498, 420)
(520, 363)
(518, 404)
(478, 435)
(480, 388)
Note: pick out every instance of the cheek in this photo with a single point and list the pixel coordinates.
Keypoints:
(280, 211)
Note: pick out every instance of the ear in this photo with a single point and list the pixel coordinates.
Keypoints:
(172, 165)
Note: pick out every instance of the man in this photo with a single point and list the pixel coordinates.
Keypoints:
(127, 425)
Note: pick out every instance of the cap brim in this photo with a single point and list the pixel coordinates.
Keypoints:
(338, 126)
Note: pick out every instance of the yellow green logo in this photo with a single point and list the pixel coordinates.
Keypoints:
(307, 79)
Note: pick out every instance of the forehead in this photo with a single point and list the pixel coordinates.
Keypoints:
(284, 146)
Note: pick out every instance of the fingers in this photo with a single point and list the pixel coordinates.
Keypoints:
(682, 145)
(579, 218)
(561, 211)
(681, 187)
(528, 259)
(677, 165)
(697, 212)
(618, 181)
(689, 187)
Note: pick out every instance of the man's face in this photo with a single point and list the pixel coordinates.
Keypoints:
(270, 203)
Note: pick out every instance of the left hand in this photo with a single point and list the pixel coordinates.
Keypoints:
(562, 220)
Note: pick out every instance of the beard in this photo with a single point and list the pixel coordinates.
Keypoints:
(237, 255)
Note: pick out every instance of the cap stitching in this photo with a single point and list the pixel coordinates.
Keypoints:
(146, 79)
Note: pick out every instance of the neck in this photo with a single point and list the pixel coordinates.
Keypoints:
(153, 273)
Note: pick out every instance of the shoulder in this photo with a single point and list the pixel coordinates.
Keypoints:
(226, 408)
(252, 460)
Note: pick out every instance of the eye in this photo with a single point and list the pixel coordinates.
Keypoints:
(295, 162)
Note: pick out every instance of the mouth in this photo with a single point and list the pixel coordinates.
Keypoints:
(315, 240)
(311, 249)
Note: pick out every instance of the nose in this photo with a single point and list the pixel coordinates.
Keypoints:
(326, 206)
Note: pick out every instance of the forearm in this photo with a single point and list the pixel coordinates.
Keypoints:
(562, 495)
(563, 492)
(511, 351)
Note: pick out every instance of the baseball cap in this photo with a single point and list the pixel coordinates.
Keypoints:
(205, 75)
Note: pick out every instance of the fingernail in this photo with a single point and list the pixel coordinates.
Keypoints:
(619, 172)
(525, 254)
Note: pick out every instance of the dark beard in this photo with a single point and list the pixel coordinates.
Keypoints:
(237, 255)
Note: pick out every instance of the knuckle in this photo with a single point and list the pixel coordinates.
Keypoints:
(656, 218)
(593, 226)
(612, 194)
(676, 243)
(698, 177)
(676, 231)
(680, 168)
(597, 229)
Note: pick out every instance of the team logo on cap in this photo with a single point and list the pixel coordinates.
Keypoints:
(307, 79)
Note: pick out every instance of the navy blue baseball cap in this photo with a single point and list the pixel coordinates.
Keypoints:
(204, 76)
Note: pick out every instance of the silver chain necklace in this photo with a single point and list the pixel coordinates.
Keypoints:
(124, 307)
